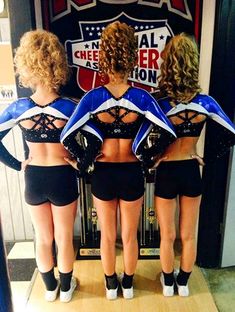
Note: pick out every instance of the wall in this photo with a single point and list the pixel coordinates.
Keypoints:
(14, 215)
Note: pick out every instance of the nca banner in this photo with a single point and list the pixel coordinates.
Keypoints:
(79, 24)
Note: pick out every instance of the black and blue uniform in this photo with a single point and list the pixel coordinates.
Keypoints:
(117, 180)
(56, 184)
(183, 177)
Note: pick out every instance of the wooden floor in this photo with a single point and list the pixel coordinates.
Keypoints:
(148, 293)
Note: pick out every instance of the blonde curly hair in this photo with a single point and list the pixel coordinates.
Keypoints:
(179, 70)
(41, 58)
(118, 49)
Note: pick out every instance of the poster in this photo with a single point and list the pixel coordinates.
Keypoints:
(79, 24)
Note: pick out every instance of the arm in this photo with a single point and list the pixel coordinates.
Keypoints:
(156, 126)
(81, 137)
(7, 122)
(220, 129)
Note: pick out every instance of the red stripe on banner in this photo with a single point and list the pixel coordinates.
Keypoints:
(197, 19)
(82, 2)
(85, 78)
(99, 81)
(59, 6)
(179, 5)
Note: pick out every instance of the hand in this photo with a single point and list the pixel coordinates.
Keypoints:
(199, 159)
(25, 163)
(72, 162)
(99, 155)
(158, 161)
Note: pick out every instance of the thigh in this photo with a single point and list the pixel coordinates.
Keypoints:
(107, 216)
(42, 219)
(129, 215)
(189, 211)
(166, 209)
(63, 218)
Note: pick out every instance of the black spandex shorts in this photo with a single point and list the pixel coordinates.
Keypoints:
(181, 177)
(117, 180)
(54, 184)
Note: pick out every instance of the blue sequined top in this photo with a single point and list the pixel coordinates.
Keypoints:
(42, 119)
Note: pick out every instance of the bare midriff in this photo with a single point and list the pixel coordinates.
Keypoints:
(181, 149)
(47, 154)
(117, 150)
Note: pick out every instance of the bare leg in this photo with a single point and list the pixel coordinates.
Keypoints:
(41, 217)
(166, 217)
(107, 216)
(189, 210)
(63, 218)
(130, 213)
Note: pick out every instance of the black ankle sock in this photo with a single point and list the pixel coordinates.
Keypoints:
(111, 281)
(127, 280)
(49, 279)
(65, 280)
(168, 278)
(182, 277)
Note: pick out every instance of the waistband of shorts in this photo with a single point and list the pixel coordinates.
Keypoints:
(179, 162)
(102, 164)
(48, 168)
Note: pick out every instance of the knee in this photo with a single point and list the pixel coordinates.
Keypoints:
(186, 236)
(108, 239)
(44, 240)
(64, 237)
(168, 236)
(129, 238)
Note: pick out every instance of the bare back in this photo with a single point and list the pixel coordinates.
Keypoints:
(183, 147)
(45, 153)
(113, 149)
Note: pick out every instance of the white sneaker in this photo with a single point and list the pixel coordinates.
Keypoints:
(128, 293)
(66, 296)
(183, 290)
(51, 295)
(111, 294)
(167, 291)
